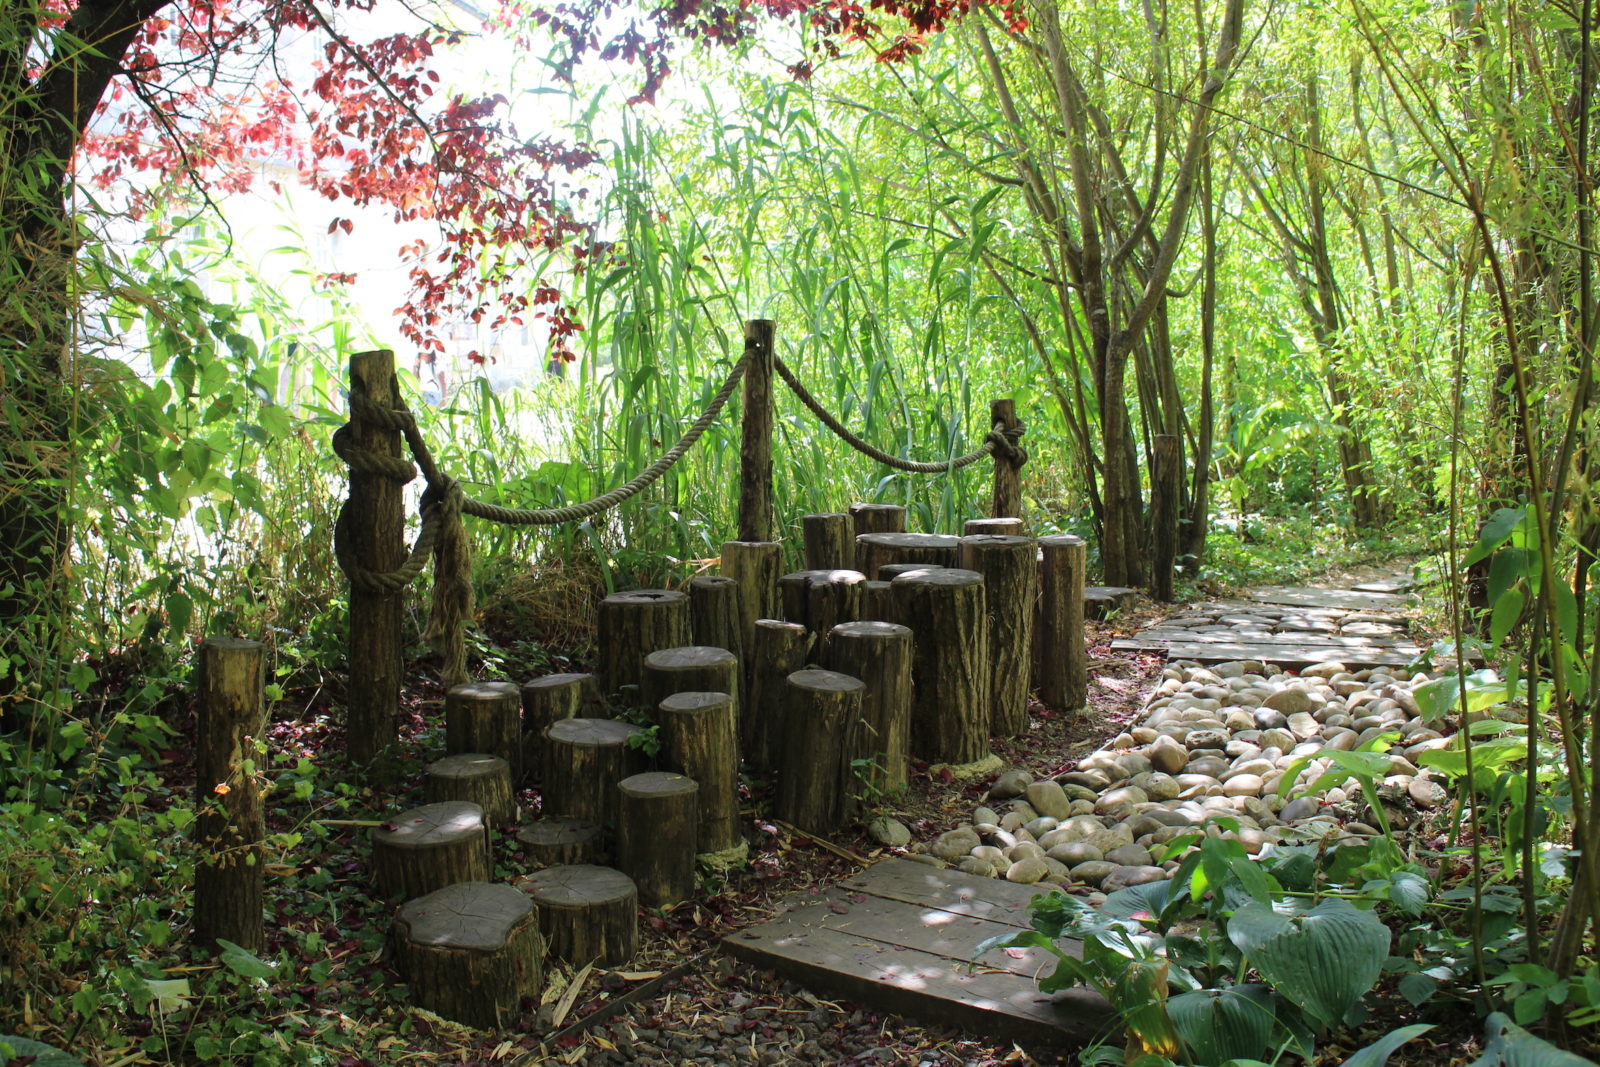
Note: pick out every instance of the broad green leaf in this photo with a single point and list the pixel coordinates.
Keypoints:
(1418, 988)
(42, 1055)
(1509, 1045)
(1494, 533)
(1377, 1054)
(243, 962)
(1507, 566)
(169, 993)
(1507, 610)
(1222, 1024)
(1323, 961)
(1409, 892)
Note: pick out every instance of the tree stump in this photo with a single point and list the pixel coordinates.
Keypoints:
(584, 761)
(631, 626)
(558, 840)
(470, 952)
(778, 649)
(700, 739)
(878, 653)
(550, 699)
(485, 717)
(829, 541)
(874, 518)
(755, 565)
(693, 669)
(587, 914)
(716, 618)
(476, 777)
(890, 571)
(946, 613)
(1007, 527)
(1060, 658)
(658, 814)
(820, 600)
(821, 709)
(427, 848)
(1010, 582)
(876, 603)
(230, 825)
(875, 550)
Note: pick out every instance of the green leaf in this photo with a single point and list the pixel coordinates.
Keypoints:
(1377, 1054)
(1323, 961)
(169, 993)
(1494, 533)
(243, 962)
(43, 1055)
(1409, 892)
(1507, 610)
(1509, 1045)
(1222, 1024)
(1418, 989)
(1507, 566)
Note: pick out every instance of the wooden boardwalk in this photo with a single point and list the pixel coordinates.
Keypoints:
(1367, 625)
(900, 936)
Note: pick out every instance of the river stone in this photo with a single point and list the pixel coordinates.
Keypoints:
(973, 865)
(1276, 738)
(1001, 839)
(1200, 784)
(1162, 787)
(1244, 785)
(1292, 701)
(1024, 809)
(1106, 840)
(1087, 779)
(1042, 825)
(1167, 756)
(1010, 784)
(985, 815)
(1250, 766)
(1079, 792)
(1073, 853)
(1132, 763)
(1228, 670)
(1339, 740)
(954, 844)
(1092, 873)
(1123, 740)
(1115, 799)
(1123, 877)
(1270, 718)
(1144, 734)
(1056, 871)
(1061, 835)
(1326, 669)
(1205, 738)
(1027, 871)
(931, 861)
(1023, 850)
(1047, 798)
(1304, 726)
(1427, 793)
(1238, 719)
(1129, 856)
(890, 832)
(990, 855)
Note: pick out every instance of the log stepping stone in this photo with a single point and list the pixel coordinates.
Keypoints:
(587, 914)
(1099, 601)
(470, 952)
(485, 717)
(584, 761)
(634, 624)
(656, 827)
(425, 849)
(477, 777)
(558, 840)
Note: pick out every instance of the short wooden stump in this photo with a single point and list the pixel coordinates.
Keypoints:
(427, 848)
(584, 761)
(557, 840)
(477, 777)
(656, 831)
(587, 914)
(470, 952)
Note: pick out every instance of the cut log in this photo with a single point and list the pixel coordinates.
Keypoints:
(658, 814)
(876, 602)
(1060, 658)
(890, 571)
(692, 669)
(829, 541)
(755, 565)
(550, 699)
(821, 599)
(587, 914)
(875, 518)
(878, 653)
(821, 709)
(231, 825)
(699, 739)
(716, 619)
(875, 550)
(425, 849)
(778, 650)
(470, 952)
(946, 612)
(485, 717)
(584, 761)
(558, 840)
(631, 626)
(477, 777)
(1007, 527)
(1010, 583)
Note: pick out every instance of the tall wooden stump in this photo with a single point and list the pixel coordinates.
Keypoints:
(1060, 658)
(878, 653)
(548, 700)
(874, 518)
(890, 571)
(755, 446)
(557, 840)
(634, 624)
(876, 602)
(1011, 584)
(230, 825)
(1166, 504)
(584, 761)
(875, 550)
(657, 819)
(692, 669)
(821, 709)
(375, 520)
(945, 610)
(485, 717)
(476, 777)
(716, 618)
(587, 914)
(830, 541)
(1009, 527)
(1007, 498)
(755, 565)
(820, 600)
(778, 650)
(470, 952)
(425, 849)
(700, 739)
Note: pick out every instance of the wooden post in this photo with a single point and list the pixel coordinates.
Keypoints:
(1007, 470)
(700, 739)
(587, 914)
(485, 717)
(231, 825)
(482, 779)
(1011, 583)
(548, 700)
(946, 614)
(1060, 658)
(755, 449)
(1009, 526)
(425, 849)
(820, 600)
(556, 840)
(375, 525)
(777, 650)
(879, 653)
(634, 624)
(584, 761)
(1166, 486)
(875, 518)
(876, 605)
(470, 952)
(821, 709)
(755, 565)
(877, 549)
(716, 618)
(691, 669)
(657, 816)
(829, 541)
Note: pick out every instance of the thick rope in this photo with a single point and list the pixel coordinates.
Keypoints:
(998, 440)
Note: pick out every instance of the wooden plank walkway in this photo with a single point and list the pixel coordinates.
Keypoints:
(899, 937)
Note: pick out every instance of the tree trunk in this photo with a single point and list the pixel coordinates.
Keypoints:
(829, 541)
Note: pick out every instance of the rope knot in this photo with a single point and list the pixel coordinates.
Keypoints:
(1007, 442)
